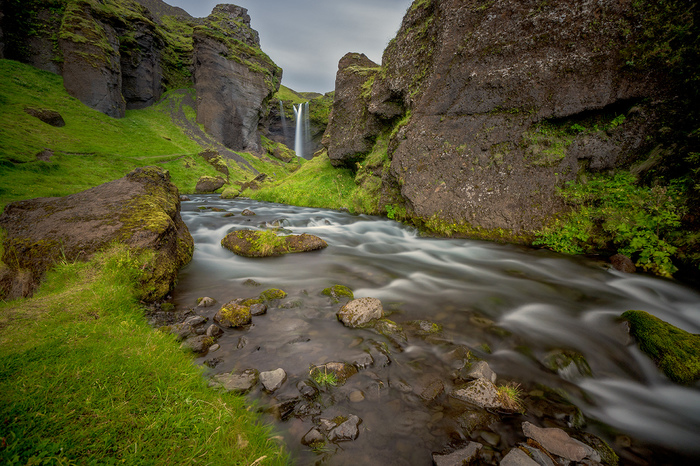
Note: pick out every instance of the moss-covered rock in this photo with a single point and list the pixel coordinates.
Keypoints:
(233, 314)
(252, 243)
(209, 184)
(230, 193)
(675, 351)
(141, 210)
(338, 293)
(267, 296)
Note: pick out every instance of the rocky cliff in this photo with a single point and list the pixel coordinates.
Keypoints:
(490, 107)
(122, 54)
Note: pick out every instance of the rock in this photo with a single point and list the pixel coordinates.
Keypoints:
(195, 321)
(232, 91)
(459, 457)
(205, 302)
(140, 61)
(237, 382)
(209, 184)
(623, 263)
(273, 380)
(199, 344)
(558, 442)
(182, 331)
(517, 457)
(360, 312)
(542, 458)
(141, 210)
(50, 117)
(214, 347)
(433, 390)
(313, 437)
(570, 365)
(184, 198)
(363, 361)
(356, 396)
(306, 389)
(346, 431)
(481, 369)
(258, 309)
(233, 315)
(423, 328)
(247, 213)
(252, 243)
(230, 193)
(214, 331)
(351, 129)
(341, 370)
(338, 293)
(391, 330)
(674, 351)
(481, 392)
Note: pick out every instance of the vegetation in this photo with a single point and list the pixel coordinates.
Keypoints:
(614, 213)
(323, 378)
(86, 380)
(675, 351)
(510, 396)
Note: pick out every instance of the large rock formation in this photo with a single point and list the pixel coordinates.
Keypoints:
(141, 210)
(494, 105)
(234, 79)
(121, 54)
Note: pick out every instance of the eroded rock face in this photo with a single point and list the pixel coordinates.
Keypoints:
(233, 82)
(488, 137)
(141, 210)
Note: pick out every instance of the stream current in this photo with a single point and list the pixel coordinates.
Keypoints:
(511, 306)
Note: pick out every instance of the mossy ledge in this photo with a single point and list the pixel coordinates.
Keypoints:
(140, 210)
(675, 351)
(252, 243)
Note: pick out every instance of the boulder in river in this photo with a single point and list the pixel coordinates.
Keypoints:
(233, 315)
(140, 210)
(273, 380)
(252, 243)
(237, 382)
(559, 443)
(360, 312)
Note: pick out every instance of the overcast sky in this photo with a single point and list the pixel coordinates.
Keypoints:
(307, 38)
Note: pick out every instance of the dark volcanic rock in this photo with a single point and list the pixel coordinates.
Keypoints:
(142, 74)
(50, 117)
(487, 137)
(351, 129)
(233, 79)
(141, 210)
(251, 243)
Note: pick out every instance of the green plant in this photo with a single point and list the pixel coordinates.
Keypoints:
(323, 378)
(510, 396)
(615, 212)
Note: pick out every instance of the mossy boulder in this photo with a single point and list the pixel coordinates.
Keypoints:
(141, 210)
(252, 243)
(50, 117)
(267, 296)
(675, 351)
(338, 293)
(233, 314)
(360, 312)
(230, 193)
(209, 184)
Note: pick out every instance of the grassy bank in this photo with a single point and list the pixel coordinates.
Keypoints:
(86, 380)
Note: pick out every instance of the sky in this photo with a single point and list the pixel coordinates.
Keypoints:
(307, 38)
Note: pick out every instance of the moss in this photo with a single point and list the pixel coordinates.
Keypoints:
(338, 293)
(230, 193)
(272, 294)
(675, 351)
(234, 315)
(251, 243)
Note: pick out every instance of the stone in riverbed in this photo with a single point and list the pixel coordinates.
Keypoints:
(313, 437)
(481, 369)
(273, 380)
(517, 457)
(480, 392)
(458, 458)
(360, 312)
(233, 315)
(346, 431)
(214, 331)
(558, 442)
(205, 302)
(253, 243)
(241, 382)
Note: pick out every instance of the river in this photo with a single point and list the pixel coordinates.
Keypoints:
(511, 306)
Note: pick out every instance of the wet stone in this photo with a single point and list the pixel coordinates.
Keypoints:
(306, 389)
(198, 344)
(314, 436)
(205, 302)
(458, 458)
(241, 382)
(479, 370)
(242, 342)
(182, 331)
(195, 321)
(214, 347)
(356, 396)
(346, 431)
(517, 457)
(401, 386)
(273, 380)
(480, 392)
(538, 455)
(433, 390)
(559, 443)
(258, 309)
(363, 361)
(247, 213)
(359, 312)
(214, 331)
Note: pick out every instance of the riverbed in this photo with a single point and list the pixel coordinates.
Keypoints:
(511, 306)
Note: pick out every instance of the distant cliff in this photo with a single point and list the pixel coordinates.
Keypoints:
(490, 107)
(120, 54)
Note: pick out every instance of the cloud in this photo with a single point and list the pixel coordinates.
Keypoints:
(307, 38)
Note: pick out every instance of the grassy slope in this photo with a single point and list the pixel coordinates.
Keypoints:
(83, 378)
(92, 148)
(86, 380)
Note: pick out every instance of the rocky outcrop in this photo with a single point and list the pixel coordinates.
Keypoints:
(141, 210)
(493, 106)
(234, 79)
(50, 117)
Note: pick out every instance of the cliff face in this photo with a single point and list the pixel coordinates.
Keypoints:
(499, 103)
(233, 78)
(122, 54)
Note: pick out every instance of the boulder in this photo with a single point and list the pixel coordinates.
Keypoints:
(623, 263)
(558, 442)
(241, 382)
(50, 117)
(209, 184)
(140, 210)
(253, 243)
(345, 431)
(273, 380)
(233, 315)
(360, 312)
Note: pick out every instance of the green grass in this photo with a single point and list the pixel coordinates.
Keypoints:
(285, 93)
(86, 380)
(316, 184)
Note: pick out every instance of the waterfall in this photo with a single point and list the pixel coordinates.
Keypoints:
(284, 122)
(302, 133)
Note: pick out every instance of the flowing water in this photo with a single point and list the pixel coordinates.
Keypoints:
(509, 305)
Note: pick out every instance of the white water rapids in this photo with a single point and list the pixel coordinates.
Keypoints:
(543, 300)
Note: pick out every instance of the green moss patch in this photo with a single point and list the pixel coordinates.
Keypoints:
(675, 351)
(251, 243)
